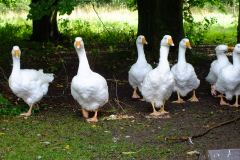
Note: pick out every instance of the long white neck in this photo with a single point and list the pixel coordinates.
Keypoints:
(83, 62)
(163, 60)
(221, 56)
(16, 65)
(236, 59)
(141, 55)
(181, 55)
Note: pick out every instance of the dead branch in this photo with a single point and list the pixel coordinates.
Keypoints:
(189, 138)
(116, 80)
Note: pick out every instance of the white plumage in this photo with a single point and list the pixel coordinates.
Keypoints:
(29, 84)
(217, 65)
(228, 81)
(185, 77)
(139, 70)
(88, 88)
(158, 84)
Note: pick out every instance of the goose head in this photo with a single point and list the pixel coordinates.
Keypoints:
(222, 49)
(78, 43)
(185, 43)
(167, 41)
(16, 52)
(237, 48)
(141, 40)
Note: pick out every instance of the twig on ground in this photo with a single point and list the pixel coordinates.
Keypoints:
(116, 100)
(189, 138)
(116, 80)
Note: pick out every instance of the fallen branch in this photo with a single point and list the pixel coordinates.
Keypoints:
(116, 80)
(189, 138)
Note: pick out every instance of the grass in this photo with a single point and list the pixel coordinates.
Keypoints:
(64, 135)
(67, 137)
(120, 26)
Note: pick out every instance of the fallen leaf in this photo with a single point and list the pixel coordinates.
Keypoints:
(1, 133)
(67, 146)
(127, 153)
(193, 153)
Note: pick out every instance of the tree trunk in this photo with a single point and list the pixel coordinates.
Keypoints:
(238, 27)
(45, 28)
(157, 18)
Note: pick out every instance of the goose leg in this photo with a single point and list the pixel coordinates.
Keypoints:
(154, 113)
(85, 113)
(94, 118)
(135, 95)
(222, 102)
(28, 113)
(162, 111)
(194, 98)
(236, 102)
(179, 100)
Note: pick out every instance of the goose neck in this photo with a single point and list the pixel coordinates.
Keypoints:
(141, 55)
(182, 55)
(236, 59)
(83, 62)
(164, 51)
(16, 65)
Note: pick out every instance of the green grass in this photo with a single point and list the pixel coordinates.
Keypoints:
(68, 137)
(221, 35)
(119, 30)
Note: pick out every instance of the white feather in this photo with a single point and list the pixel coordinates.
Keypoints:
(185, 77)
(88, 88)
(139, 70)
(29, 84)
(228, 81)
(158, 84)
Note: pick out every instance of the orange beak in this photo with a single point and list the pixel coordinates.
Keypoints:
(230, 49)
(170, 42)
(17, 53)
(144, 41)
(188, 45)
(78, 44)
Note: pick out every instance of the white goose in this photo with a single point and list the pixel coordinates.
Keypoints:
(216, 66)
(138, 70)
(228, 81)
(88, 88)
(158, 84)
(185, 77)
(29, 84)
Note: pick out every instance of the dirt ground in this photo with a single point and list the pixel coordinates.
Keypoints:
(186, 119)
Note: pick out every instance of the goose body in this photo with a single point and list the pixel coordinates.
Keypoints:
(184, 74)
(217, 65)
(228, 81)
(88, 88)
(158, 84)
(139, 70)
(29, 84)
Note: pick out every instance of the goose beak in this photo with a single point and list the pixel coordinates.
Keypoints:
(144, 41)
(188, 45)
(230, 49)
(170, 42)
(78, 44)
(17, 53)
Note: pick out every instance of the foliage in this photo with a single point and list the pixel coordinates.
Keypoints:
(7, 108)
(196, 31)
(93, 31)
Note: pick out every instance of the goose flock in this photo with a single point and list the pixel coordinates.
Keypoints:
(156, 85)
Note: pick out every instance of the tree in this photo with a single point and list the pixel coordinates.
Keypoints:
(238, 27)
(44, 17)
(157, 18)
